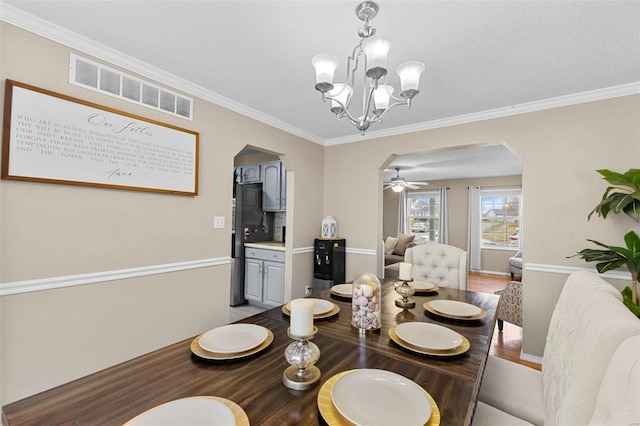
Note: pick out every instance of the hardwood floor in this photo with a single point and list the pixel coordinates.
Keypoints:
(508, 343)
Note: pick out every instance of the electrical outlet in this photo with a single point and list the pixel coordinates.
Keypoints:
(218, 222)
(308, 290)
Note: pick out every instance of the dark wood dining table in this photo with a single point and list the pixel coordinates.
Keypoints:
(117, 394)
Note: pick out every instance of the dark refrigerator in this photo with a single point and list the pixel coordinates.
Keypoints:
(250, 225)
(329, 263)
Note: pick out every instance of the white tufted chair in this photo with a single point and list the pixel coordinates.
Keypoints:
(439, 264)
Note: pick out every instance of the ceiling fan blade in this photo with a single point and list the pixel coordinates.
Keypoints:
(410, 186)
(418, 183)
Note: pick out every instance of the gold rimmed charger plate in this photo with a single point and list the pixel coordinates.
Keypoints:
(464, 346)
(429, 308)
(203, 353)
(333, 417)
(331, 313)
(339, 294)
(239, 415)
(427, 290)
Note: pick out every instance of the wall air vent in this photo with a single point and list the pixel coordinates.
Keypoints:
(94, 76)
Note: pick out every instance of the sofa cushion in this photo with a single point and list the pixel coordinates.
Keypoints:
(403, 242)
(390, 245)
(390, 259)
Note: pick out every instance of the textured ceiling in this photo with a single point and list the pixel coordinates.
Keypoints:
(254, 56)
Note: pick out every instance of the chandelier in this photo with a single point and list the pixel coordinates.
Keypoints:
(371, 52)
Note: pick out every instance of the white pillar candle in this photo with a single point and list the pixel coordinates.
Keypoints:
(405, 271)
(301, 317)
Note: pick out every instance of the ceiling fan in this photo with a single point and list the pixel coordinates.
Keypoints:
(398, 184)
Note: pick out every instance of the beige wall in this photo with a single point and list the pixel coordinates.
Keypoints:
(560, 149)
(492, 260)
(47, 231)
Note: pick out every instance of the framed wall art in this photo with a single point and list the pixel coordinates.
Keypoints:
(53, 138)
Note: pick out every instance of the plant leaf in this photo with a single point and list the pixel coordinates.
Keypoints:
(613, 178)
(624, 197)
(632, 241)
(598, 243)
(609, 266)
(628, 302)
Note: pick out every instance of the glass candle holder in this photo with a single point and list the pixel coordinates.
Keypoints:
(405, 290)
(302, 355)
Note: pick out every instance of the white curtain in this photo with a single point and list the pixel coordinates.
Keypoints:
(443, 223)
(402, 213)
(473, 244)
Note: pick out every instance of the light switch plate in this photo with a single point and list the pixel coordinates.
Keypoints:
(218, 222)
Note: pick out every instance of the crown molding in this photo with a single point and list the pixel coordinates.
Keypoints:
(56, 33)
(541, 105)
(75, 41)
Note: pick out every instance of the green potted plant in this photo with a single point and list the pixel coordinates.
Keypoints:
(623, 197)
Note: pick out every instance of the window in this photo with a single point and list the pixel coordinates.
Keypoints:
(423, 212)
(500, 209)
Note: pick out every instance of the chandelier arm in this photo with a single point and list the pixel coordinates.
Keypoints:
(379, 117)
(345, 110)
(367, 105)
(395, 98)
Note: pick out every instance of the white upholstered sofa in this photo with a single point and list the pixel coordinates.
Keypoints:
(590, 368)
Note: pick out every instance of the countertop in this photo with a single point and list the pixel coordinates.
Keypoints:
(267, 245)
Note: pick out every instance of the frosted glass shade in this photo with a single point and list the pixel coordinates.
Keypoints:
(409, 73)
(381, 97)
(325, 66)
(376, 49)
(340, 92)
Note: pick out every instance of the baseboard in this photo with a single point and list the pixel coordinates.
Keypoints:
(530, 358)
(482, 271)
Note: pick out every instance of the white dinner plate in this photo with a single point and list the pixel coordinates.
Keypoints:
(192, 411)
(233, 338)
(345, 290)
(455, 308)
(428, 336)
(422, 285)
(368, 396)
(320, 306)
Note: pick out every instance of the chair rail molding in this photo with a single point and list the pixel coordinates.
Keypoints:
(568, 270)
(17, 287)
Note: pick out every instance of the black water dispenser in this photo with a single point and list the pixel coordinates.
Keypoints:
(329, 262)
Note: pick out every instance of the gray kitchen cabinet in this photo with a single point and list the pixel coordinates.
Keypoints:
(264, 276)
(273, 187)
(250, 174)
